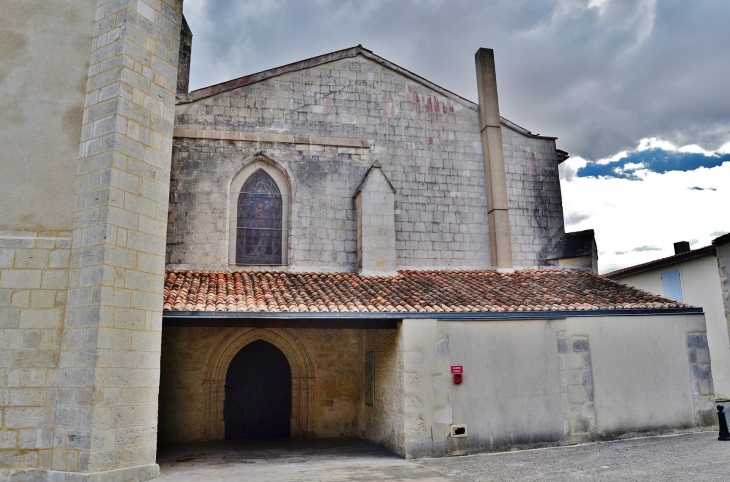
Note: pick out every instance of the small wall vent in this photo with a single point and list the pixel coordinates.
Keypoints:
(458, 431)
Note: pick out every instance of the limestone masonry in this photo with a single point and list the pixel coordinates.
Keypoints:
(365, 225)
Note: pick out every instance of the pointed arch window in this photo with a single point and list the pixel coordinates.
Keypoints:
(259, 222)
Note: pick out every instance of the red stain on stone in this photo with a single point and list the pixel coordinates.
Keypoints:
(388, 111)
(412, 93)
(430, 103)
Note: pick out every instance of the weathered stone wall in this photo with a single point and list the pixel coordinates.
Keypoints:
(82, 244)
(535, 201)
(186, 50)
(723, 265)
(383, 421)
(33, 282)
(337, 391)
(576, 379)
(427, 390)
(44, 47)
(429, 147)
(42, 88)
(375, 225)
(107, 419)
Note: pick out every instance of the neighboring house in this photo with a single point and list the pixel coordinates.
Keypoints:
(310, 251)
(697, 277)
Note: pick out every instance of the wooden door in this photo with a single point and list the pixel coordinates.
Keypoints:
(258, 393)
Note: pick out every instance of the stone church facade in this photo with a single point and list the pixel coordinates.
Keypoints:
(341, 113)
(336, 237)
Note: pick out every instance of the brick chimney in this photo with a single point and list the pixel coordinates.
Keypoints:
(681, 247)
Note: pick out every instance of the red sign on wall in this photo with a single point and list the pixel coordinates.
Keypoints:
(457, 369)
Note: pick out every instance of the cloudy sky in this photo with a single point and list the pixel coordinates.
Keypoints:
(637, 91)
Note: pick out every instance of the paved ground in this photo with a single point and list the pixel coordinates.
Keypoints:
(697, 457)
(288, 461)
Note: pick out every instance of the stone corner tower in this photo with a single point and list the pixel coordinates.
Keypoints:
(82, 246)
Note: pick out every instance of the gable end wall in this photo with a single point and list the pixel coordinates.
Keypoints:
(428, 145)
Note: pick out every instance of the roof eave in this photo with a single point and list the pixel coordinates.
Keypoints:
(661, 263)
(472, 316)
(725, 238)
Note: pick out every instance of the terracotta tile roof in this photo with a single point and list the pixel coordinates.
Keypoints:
(408, 292)
(661, 262)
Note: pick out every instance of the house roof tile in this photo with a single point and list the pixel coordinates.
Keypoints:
(407, 292)
(661, 262)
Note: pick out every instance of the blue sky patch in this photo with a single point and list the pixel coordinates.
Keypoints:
(654, 160)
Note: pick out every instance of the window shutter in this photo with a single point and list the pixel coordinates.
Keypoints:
(672, 284)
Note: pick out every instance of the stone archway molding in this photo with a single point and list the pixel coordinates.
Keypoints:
(242, 170)
(219, 358)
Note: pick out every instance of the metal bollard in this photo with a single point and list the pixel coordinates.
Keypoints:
(724, 433)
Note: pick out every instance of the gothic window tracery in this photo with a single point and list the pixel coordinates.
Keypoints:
(259, 222)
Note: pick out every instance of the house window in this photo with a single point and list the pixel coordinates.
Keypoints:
(672, 283)
(259, 222)
(370, 378)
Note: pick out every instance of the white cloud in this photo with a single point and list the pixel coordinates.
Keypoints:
(602, 75)
(660, 210)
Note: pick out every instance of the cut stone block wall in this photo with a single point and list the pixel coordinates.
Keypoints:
(576, 378)
(429, 147)
(106, 414)
(723, 265)
(337, 358)
(535, 200)
(33, 282)
(81, 291)
(383, 422)
(427, 389)
(376, 225)
(701, 373)
(642, 378)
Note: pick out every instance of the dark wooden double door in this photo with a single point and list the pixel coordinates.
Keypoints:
(258, 393)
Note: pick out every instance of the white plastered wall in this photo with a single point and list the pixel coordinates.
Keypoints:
(701, 287)
(540, 382)
(642, 373)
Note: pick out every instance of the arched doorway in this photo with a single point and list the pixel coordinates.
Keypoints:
(258, 400)
(219, 357)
